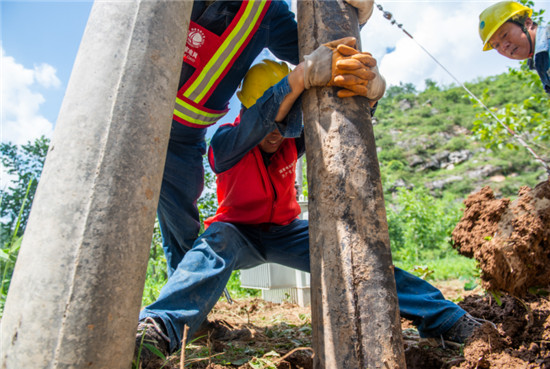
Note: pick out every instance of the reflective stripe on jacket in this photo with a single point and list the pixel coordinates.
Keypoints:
(212, 57)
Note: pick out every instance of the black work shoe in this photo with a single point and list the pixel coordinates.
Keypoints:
(221, 330)
(463, 328)
(152, 345)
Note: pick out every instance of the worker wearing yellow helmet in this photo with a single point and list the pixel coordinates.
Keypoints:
(254, 159)
(260, 148)
(259, 78)
(508, 28)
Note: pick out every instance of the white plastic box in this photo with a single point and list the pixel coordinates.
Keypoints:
(280, 283)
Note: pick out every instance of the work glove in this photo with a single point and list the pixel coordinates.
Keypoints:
(337, 63)
(364, 9)
(376, 84)
(321, 65)
(373, 91)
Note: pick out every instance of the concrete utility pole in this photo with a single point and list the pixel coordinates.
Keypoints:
(355, 310)
(76, 290)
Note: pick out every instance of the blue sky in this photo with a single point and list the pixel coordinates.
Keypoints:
(40, 40)
(38, 34)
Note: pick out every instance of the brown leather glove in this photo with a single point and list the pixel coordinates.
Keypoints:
(376, 85)
(373, 91)
(352, 71)
(349, 68)
(319, 66)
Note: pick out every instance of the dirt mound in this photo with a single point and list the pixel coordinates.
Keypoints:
(521, 339)
(510, 239)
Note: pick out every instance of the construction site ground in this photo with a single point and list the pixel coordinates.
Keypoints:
(271, 335)
(511, 241)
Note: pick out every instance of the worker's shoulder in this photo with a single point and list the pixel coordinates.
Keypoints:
(217, 16)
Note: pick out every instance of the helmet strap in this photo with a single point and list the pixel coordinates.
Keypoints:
(524, 29)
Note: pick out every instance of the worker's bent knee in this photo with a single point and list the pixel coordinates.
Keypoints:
(221, 237)
(221, 228)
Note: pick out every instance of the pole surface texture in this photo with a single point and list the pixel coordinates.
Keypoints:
(355, 310)
(76, 291)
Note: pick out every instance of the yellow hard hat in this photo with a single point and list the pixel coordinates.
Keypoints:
(259, 78)
(496, 15)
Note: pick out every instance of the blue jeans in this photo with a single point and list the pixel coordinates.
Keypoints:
(182, 185)
(198, 281)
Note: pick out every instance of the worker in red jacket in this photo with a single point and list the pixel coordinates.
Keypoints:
(333, 64)
(224, 39)
(254, 159)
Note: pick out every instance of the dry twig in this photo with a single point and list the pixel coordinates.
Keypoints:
(183, 344)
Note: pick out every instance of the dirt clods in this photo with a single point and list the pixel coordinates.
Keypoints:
(510, 239)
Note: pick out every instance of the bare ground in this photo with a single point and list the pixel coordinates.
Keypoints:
(279, 336)
(511, 241)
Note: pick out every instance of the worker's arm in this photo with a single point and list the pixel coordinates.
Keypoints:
(296, 84)
(274, 110)
(232, 141)
(282, 38)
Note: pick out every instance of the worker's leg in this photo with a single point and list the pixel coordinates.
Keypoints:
(199, 280)
(418, 300)
(286, 245)
(425, 305)
(182, 185)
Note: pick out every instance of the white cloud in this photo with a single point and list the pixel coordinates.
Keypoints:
(20, 116)
(447, 30)
(46, 76)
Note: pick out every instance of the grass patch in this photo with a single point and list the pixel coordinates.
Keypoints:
(448, 267)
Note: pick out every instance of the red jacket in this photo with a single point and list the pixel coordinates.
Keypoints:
(250, 193)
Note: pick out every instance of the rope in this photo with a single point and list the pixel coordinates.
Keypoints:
(392, 20)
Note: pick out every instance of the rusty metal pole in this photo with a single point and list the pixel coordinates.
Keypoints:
(76, 291)
(355, 309)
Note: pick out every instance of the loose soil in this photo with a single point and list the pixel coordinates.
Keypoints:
(511, 241)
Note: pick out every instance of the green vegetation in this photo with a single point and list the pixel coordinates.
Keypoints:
(156, 269)
(438, 139)
(10, 249)
(24, 165)
(438, 146)
(419, 225)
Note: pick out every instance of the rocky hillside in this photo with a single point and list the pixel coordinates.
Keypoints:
(426, 139)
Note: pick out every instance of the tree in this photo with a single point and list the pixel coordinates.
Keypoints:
(23, 164)
(530, 119)
(402, 89)
(431, 84)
